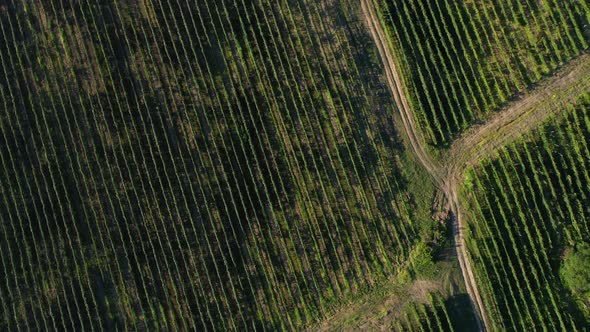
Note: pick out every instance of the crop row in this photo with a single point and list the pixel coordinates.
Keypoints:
(461, 60)
(170, 165)
(527, 205)
(433, 315)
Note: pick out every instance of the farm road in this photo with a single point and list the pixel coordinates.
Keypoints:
(479, 141)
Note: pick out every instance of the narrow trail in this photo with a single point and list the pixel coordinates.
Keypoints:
(524, 114)
(394, 82)
(478, 142)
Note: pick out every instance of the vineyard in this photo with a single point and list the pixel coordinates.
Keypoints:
(246, 165)
(462, 60)
(528, 206)
(430, 316)
(422, 296)
(176, 165)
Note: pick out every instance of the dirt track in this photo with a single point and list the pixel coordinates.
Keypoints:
(480, 141)
(519, 117)
(393, 78)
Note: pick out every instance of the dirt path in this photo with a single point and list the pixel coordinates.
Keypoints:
(393, 78)
(437, 172)
(519, 117)
(480, 141)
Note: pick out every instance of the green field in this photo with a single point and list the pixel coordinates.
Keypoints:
(462, 60)
(528, 206)
(432, 316)
(253, 165)
(167, 165)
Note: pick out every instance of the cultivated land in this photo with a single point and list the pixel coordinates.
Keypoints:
(264, 165)
(531, 109)
(526, 113)
(525, 206)
(171, 165)
(462, 60)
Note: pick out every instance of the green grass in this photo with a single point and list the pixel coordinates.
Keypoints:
(436, 295)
